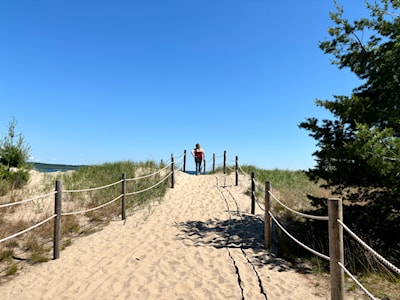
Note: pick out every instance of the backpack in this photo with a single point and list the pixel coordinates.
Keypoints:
(198, 154)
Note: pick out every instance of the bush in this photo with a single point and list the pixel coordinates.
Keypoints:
(14, 154)
(16, 179)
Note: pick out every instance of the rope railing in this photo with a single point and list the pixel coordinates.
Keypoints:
(334, 219)
(254, 198)
(364, 244)
(93, 189)
(323, 218)
(356, 281)
(180, 167)
(336, 251)
(149, 175)
(93, 208)
(210, 163)
(150, 187)
(27, 229)
(58, 199)
(27, 200)
(296, 240)
(258, 202)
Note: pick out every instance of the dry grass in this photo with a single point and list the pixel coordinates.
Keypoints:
(36, 246)
(290, 187)
(293, 189)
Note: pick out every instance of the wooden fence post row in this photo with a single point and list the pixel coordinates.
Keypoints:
(58, 209)
(213, 164)
(335, 230)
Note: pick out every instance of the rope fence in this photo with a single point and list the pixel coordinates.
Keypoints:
(26, 201)
(334, 218)
(58, 213)
(212, 161)
(335, 233)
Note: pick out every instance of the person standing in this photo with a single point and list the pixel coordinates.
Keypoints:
(199, 155)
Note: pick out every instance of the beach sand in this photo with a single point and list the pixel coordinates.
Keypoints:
(200, 242)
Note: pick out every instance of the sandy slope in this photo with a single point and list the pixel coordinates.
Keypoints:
(201, 242)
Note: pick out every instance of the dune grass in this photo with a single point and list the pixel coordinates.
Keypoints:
(291, 187)
(36, 245)
(295, 190)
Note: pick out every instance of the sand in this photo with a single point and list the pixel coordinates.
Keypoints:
(200, 242)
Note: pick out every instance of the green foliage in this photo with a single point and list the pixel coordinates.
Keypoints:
(358, 150)
(370, 48)
(87, 177)
(11, 270)
(14, 154)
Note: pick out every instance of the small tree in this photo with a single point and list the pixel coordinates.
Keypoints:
(360, 147)
(358, 153)
(14, 153)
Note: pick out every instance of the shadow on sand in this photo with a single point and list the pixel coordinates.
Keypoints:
(246, 233)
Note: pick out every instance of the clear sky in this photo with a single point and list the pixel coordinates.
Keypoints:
(109, 80)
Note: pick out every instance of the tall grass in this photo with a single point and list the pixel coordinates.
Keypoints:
(295, 190)
(36, 246)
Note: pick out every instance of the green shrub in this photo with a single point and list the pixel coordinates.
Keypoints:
(11, 270)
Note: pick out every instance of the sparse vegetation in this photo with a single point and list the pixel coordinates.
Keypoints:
(36, 246)
(14, 154)
(292, 187)
(296, 190)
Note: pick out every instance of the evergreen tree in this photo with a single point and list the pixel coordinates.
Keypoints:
(358, 150)
(360, 147)
(14, 155)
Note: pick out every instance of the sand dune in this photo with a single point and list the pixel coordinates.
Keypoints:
(201, 242)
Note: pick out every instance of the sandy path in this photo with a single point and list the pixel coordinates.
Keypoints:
(200, 243)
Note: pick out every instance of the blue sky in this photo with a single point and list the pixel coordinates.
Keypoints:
(101, 81)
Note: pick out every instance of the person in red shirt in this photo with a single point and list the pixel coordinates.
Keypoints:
(199, 155)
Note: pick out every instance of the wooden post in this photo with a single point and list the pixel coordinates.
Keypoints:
(335, 212)
(253, 193)
(237, 172)
(225, 162)
(57, 220)
(267, 217)
(123, 212)
(213, 162)
(172, 170)
(184, 160)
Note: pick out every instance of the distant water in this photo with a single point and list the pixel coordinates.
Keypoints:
(48, 168)
(192, 172)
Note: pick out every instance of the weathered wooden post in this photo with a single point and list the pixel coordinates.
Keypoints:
(57, 219)
(225, 162)
(184, 160)
(335, 212)
(267, 217)
(123, 212)
(237, 171)
(253, 193)
(213, 162)
(172, 171)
